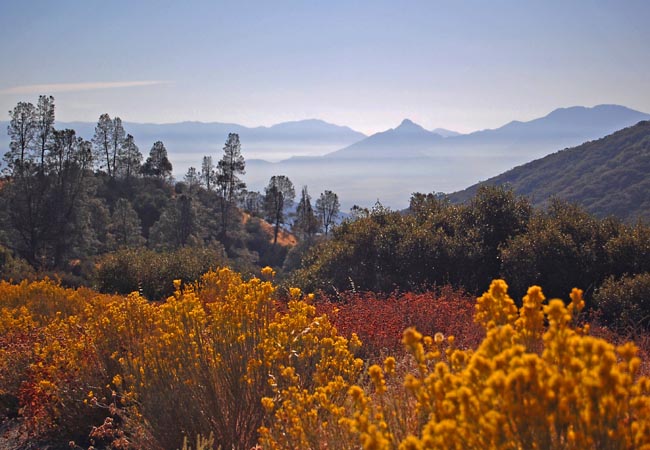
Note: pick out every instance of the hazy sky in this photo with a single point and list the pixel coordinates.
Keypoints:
(463, 65)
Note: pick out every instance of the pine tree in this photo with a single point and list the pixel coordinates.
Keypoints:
(306, 224)
(44, 127)
(22, 134)
(229, 168)
(279, 194)
(157, 164)
(129, 159)
(208, 174)
(102, 142)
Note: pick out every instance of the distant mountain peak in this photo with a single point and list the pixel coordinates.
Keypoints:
(603, 108)
(409, 125)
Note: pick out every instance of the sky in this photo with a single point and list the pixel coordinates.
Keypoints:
(460, 65)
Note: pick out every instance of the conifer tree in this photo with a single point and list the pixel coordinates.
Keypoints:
(279, 195)
(306, 223)
(229, 168)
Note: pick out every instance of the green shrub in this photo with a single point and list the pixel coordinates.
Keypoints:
(153, 273)
(13, 267)
(624, 304)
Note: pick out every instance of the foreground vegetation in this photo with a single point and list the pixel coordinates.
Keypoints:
(361, 335)
(239, 364)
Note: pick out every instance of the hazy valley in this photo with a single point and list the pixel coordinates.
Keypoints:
(387, 166)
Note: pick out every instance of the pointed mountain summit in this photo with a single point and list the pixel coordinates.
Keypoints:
(408, 126)
(408, 140)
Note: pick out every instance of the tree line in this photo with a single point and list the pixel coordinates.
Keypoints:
(66, 199)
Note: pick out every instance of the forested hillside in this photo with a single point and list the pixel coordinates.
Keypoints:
(99, 212)
(608, 176)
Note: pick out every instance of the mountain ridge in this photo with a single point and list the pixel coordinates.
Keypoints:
(607, 176)
(188, 141)
(390, 165)
(387, 168)
(560, 128)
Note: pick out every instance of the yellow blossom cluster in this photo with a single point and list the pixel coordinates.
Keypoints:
(47, 356)
(310, 369)
(528, 385)
(227, 355)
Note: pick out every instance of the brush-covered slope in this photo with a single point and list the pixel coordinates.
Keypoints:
(609, 176)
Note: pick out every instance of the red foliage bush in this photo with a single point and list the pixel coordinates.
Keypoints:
(379, 321)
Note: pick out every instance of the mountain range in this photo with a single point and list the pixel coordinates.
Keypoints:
(608, 176)
(188, 142)
(387, 166)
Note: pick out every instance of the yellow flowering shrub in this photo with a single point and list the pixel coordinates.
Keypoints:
(47, 358)
(526, 386)
(43, 299)
(223, 358)
(220, 354)
(309, 369)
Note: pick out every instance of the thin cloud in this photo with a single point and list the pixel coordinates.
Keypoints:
(76, 87)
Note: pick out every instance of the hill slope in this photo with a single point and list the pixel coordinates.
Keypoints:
(609, 176)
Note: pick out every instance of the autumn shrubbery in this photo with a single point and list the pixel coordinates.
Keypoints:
(126, 372)
(495, 235)
(538, 380)
(226, 359)
(47, 358)
(379, 320)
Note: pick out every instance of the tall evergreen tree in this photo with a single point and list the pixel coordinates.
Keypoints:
(306, 224)
(44, 127)
(118, 139)
(279, 195)
(229, 168)
(130, 159)
(22, 133)
(102, 144)
(157, 164)
(68, 169)
(208, 173)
